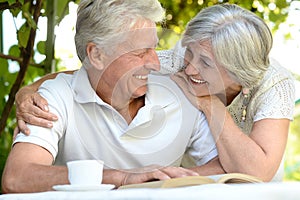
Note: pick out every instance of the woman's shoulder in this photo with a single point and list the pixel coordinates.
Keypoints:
(277, 72)
(275, 75)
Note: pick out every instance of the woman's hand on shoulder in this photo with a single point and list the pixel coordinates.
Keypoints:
(200, 102)
(32, 108)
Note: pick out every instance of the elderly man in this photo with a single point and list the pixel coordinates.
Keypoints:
(141, 125)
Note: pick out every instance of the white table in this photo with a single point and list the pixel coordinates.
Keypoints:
(264, 191)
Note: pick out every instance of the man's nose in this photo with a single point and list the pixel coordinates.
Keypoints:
(152, 61)
(190, 69)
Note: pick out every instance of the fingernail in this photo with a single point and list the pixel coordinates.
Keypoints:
(49, 125)
(46, 108)
(54, 118)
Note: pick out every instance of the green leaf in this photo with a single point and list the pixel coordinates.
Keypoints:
(23, 35)
(62, 9)
(41, 47)
(3, 68)
(15, 11)
(29, 19)
(10, 2)
(3, 78)
(14, 51)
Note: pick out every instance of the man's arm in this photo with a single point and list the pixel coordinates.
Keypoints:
(29, 169)
(32, 108)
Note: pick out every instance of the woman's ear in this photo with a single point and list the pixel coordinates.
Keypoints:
(95, 56)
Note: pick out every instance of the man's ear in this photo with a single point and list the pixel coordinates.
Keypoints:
(95, 56)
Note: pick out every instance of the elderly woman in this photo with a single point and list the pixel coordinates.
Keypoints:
(247, 98)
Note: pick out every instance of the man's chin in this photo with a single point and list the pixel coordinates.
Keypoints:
(140, 92)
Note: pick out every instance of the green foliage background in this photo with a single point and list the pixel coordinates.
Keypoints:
(179, 12)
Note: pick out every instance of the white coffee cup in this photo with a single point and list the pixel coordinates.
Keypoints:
(85, 172)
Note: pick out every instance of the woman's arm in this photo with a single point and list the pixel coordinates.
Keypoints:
(258, 154)
(32, 108)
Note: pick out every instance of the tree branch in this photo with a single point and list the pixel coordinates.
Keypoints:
(5, 5)
(20, 60)
(26, 54)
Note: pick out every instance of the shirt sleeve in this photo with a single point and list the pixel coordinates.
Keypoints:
(48, 138)
(202, 147)
(278, 102)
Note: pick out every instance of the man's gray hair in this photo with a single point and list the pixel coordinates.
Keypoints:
(101, 21)
(240, 40)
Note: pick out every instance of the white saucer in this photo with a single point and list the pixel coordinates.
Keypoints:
(83, 187)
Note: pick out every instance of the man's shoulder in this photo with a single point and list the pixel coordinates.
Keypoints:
(163, 90)
(161, 83)
(60, 82)
(59, 87)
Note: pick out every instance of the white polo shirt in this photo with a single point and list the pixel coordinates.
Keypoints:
(165, 129)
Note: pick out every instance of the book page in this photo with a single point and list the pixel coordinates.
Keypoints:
(172, 183)
(238, 178)
(187, 181)
(196, 180)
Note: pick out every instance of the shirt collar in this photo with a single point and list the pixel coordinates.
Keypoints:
(155, 97)
(158, 99)
(84, 93)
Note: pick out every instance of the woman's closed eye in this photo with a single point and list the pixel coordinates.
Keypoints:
(205, 62)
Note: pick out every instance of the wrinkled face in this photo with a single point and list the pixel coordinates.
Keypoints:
(127, 73)
(204, 75)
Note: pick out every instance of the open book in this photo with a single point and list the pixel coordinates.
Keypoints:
(196, 180)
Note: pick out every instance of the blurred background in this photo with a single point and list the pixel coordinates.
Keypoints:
(36, 38)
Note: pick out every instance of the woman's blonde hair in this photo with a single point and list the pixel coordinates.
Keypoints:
(240, 40)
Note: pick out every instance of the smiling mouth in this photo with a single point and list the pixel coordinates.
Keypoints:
(140, 77)
(199, 81)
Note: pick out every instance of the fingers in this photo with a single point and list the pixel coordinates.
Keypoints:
(16, 131)
(138, 176)
(160, 173)
(34, 110)
(182, 82)
(38, 118)
(35, 114)
(21, 128)
(176, 172)
(40, 102)
(168, 172)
